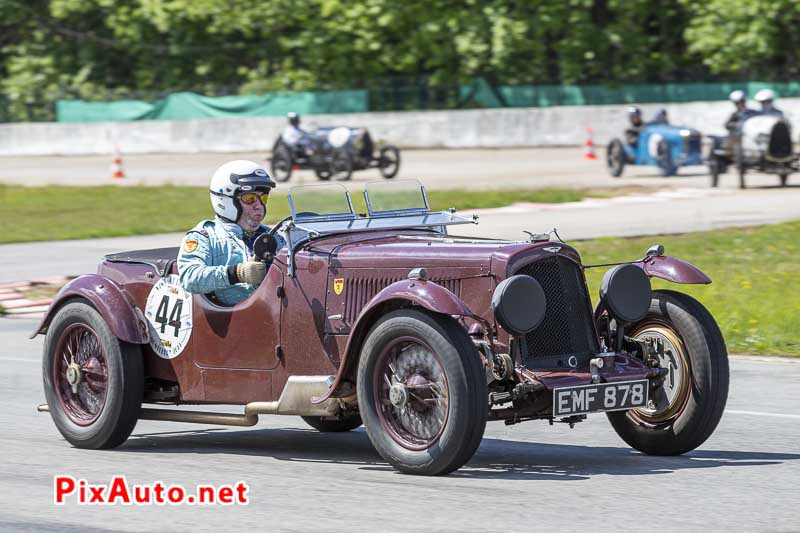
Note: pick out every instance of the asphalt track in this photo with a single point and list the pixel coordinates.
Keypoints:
(436, 169)
(525, 477)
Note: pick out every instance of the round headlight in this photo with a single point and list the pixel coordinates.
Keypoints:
(626, 291)
(519, 304)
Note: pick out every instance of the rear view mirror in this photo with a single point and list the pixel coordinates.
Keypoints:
(265, 246)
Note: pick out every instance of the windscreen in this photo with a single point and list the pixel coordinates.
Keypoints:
(395, 197)
(330, 201)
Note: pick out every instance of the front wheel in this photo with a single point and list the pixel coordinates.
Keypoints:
(92, 381)
(686, 408)
(282, 163)
(784, 179)
(389, 162)
(422, 392)
(664, 158)
(615, 158)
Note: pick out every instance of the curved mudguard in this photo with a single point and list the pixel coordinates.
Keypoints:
(672, 269)
(426, 294)
(111, 301)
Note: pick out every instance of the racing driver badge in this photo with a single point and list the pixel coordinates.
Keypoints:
(169, 316)
(189, 245)
(338, 285)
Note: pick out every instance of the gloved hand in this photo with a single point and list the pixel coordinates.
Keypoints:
(252, 272)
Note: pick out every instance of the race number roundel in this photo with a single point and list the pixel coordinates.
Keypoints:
(169, 313)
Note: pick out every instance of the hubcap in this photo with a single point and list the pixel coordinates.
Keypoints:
(411, 393)
(80, 374)
(667, 400)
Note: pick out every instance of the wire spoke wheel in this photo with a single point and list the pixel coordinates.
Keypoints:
(412, 393)
(80, 374)
(670, 398)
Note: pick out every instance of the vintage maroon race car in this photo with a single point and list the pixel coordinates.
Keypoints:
(387, 319)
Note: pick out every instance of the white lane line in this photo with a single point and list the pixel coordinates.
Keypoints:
(759, 413)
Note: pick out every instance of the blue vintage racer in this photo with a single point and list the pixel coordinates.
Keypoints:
(665, 146)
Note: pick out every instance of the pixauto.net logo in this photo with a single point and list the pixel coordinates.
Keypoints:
(119, 492)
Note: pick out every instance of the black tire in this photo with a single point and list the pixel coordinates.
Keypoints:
(389, 162)
(738, 158)
(462, 375)
(713, 169)
(664, 158)
(323, 174)
(615, 158)
(341, 165)
(696, 409)
(714, 165)
(784, 179)
(119, 413)
(282, 163)
(330, 424)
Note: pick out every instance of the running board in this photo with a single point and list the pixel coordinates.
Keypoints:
(295, 400)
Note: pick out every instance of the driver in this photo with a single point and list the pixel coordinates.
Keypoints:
(766, 97)
(216, 256)
(293, 133)
(742, 112)
(632, 132)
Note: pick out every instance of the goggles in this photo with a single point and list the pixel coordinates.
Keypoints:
(249, 198)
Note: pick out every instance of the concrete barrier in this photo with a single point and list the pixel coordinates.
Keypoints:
(480, 128)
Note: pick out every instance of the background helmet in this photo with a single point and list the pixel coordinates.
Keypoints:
(232, 178)
(737, 96)
(765, 95)
(294, 118)
(634, 111)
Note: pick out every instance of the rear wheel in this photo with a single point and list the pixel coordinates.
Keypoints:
(92, 381)
(422, 392)
(341, 166)
(686, 408)
(281, 165)
(332, 424)
(615, 158)
(389, 163)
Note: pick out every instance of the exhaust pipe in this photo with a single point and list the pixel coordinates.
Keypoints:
(295, 400)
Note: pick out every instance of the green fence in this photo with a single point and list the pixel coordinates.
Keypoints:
(404, 96)
(184, 106)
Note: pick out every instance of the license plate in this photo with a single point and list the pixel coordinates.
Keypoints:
(593, 398)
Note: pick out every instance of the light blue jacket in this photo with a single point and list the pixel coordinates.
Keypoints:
(205, 254)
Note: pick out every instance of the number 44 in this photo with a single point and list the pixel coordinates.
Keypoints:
(174, 320)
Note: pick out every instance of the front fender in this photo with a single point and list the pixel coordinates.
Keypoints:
(672, 269)
(127, 322)
(427, 294)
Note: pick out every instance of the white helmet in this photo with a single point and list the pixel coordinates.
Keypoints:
(234, 177)
(765, 94)
(737, 96)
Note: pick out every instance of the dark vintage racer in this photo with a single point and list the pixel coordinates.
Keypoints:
(389, 320)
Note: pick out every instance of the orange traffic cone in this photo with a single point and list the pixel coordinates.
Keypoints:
(588, 146)
(116, 165)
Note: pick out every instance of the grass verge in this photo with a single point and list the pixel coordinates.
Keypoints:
(67, 212)
(755, 294)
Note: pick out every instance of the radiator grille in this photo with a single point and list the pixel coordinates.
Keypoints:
(567, 328)
(780, 142)
(360, 290)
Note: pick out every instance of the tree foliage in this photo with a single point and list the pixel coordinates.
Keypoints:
(103, 49)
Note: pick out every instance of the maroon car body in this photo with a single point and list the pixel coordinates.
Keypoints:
(325, 295)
